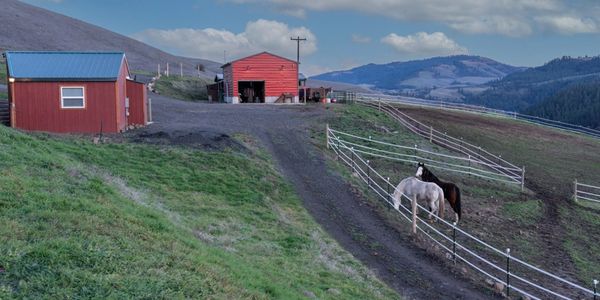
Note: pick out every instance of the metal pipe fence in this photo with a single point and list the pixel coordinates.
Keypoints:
(457, 164)
(474, 152)
(594, 133)
(490, 262)
(586, 192)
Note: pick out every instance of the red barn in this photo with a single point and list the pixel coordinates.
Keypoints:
(261, 78)
(78, 92)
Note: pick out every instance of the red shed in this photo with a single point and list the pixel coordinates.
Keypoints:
(79, 92)
(261, 78)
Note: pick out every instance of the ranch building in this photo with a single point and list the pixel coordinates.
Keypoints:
(74, 92)
(261, 78)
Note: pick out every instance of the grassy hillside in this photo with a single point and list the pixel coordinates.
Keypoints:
(184, 88)
(124, 220)
(2, 72)
(520, 90)
(544, 225)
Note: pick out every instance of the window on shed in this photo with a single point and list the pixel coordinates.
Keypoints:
(72, 97)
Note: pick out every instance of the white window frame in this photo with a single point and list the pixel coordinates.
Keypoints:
(62, 97)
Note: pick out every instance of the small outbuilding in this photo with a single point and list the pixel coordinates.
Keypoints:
(261, 78)
(74, 92)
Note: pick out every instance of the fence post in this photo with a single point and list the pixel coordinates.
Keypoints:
(431, 134)
(327, 135)
(523, 180)
(388, 194)
(595, 288)
(352, 160)
(414, 215)
(454, 242)
(368, 174)
(575, 190)
(507, 272)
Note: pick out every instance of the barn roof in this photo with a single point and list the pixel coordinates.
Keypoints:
(257, 54)
(64, 66)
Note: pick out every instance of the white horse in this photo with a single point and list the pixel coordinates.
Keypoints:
(417, 190)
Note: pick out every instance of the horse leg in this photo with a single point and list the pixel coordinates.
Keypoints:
(396, 200)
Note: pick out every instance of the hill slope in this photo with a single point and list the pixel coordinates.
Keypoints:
(579, 104)
(130, 221)
(521, 90)
(421, 76)
(26, 27)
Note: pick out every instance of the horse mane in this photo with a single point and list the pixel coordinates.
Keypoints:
(428, 174)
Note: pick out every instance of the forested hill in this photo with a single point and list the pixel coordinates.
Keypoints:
(579, 104)
(521, 90)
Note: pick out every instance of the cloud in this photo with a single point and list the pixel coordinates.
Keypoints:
(507, 17)
(209, 43)
(359, 39)
(424, 44)
(569, 25)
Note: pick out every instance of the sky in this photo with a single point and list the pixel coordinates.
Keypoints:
(343, 34)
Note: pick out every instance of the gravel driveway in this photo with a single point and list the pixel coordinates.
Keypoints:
(344, 214)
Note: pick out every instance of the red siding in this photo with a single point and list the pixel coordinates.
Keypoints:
(279, 74)
(37, 107)
(138, 103)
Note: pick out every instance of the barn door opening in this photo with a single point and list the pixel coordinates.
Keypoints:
(251, 91)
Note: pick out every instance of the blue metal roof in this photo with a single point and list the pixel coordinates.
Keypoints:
(78, 66)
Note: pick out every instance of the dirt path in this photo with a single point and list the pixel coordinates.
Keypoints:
(346, 216)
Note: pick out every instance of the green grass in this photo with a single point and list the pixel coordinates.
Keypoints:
(2, 72)
(553, 160)
(525, 212)
(136, 221)
(3, 95)
(582, 242)
(184, 88)
(500, 213)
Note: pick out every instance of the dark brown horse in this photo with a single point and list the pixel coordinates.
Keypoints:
(451, 191)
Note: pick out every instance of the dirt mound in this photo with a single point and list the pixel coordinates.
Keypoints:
(206, 140)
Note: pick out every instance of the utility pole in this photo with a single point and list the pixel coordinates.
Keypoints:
(181, 69)
(298, 40)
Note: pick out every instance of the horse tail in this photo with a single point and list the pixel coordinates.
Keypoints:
(458, 208)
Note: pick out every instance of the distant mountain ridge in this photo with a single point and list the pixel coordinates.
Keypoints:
(26, 27)
(423, 76)
(519, 91)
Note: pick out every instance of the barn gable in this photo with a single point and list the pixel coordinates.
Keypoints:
(261, 78)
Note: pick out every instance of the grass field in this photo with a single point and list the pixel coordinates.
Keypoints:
(2, 72)
(121, 220)
(497, 212)
(184, 88)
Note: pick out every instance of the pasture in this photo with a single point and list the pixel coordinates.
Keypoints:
(126, 220)
(541, 225)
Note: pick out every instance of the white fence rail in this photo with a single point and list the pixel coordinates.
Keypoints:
(586, 192)
(413, 154)
(490, 262)
(471, 108)
(473, 152)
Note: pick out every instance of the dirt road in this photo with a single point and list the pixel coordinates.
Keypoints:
(346, 216)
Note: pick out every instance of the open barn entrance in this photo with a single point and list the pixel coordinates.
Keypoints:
(251, 91)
